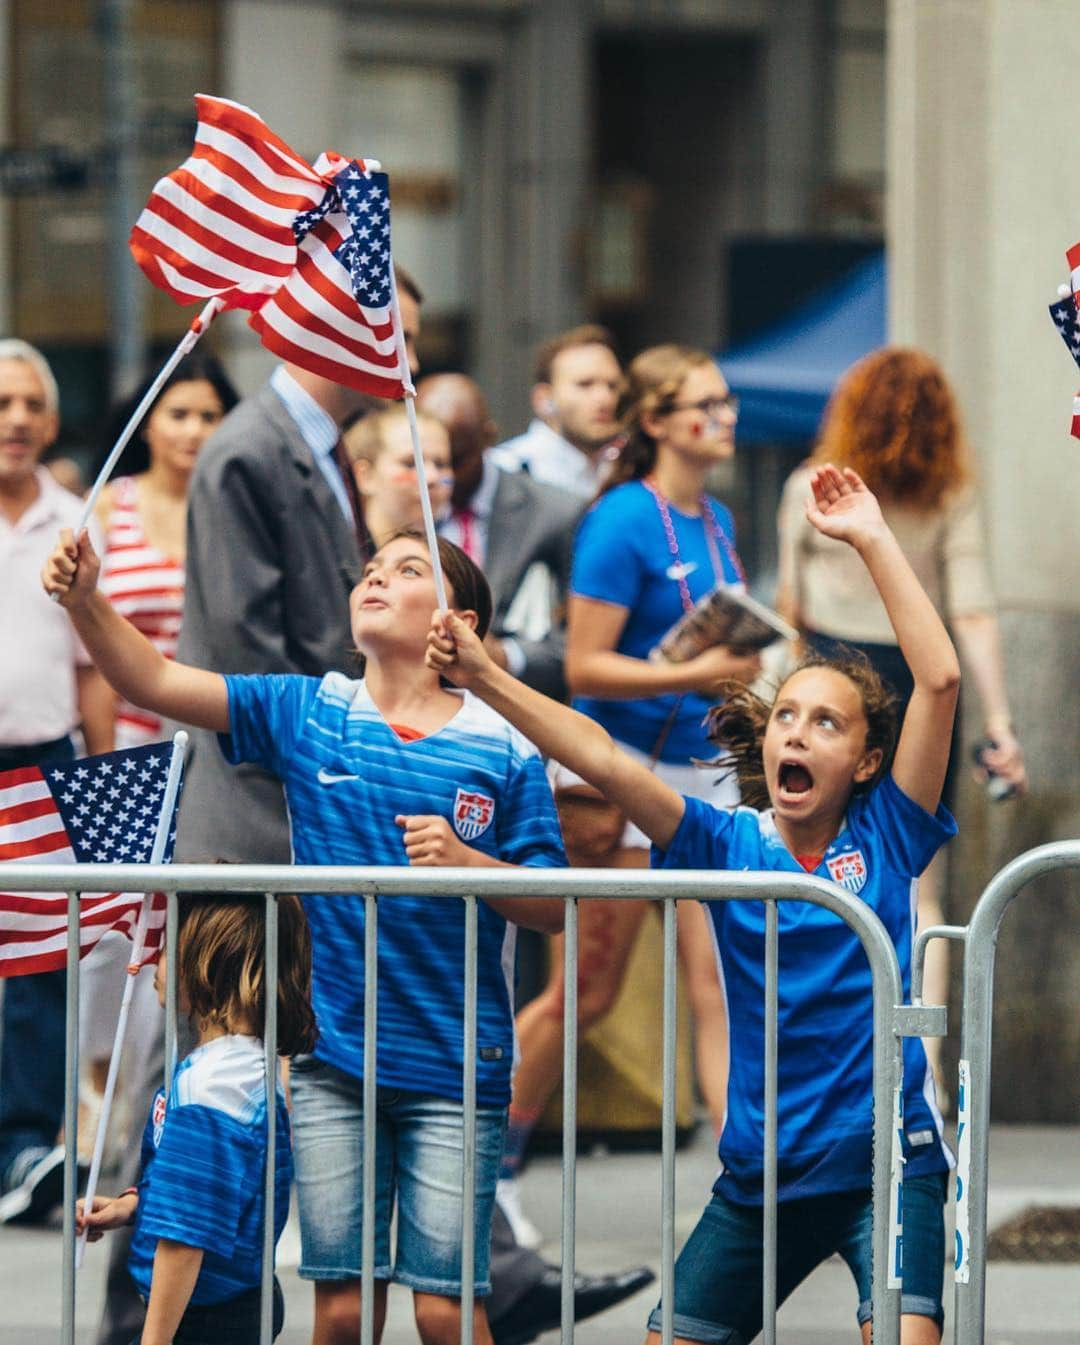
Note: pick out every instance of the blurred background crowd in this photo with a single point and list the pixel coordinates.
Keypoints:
(658, 257)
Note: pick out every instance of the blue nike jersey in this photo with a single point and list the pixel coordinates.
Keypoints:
(203, 1165)
(347, 775)
(825, 1035)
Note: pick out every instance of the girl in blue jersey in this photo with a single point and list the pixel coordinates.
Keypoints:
(196, 1252)
(392, 768)
(840, 803)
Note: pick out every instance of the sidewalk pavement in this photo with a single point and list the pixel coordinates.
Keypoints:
(618, 1212)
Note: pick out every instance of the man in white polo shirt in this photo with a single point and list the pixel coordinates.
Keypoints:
(47, 689)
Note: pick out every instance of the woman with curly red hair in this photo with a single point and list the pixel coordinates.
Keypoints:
(894, 420)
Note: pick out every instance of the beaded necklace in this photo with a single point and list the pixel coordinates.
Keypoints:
(714, 535)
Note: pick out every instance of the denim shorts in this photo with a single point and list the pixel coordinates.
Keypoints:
(718, 1272)
(418, 1164)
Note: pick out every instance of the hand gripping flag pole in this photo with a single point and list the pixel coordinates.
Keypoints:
(157, 856)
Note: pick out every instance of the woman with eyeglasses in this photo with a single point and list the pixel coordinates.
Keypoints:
(652, 544)
(379, 447)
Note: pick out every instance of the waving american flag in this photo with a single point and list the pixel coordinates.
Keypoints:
(100, 810)
(306, 249)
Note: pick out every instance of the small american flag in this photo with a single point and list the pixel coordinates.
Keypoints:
(101, 810)
(306, 249)
(333, 315)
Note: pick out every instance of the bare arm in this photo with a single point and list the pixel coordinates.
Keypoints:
(124, 657)
(571, 738)
(979, 638)
(593, 668)
(176, 1268)
(842, 507)
(97, 710)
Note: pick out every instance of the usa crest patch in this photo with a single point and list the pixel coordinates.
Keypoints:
(849, 870)
(159, 1118)
(473, 814)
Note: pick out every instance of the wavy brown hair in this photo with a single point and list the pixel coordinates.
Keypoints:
(221, 966)
(894, 420)
(737, 725)
(651, 385)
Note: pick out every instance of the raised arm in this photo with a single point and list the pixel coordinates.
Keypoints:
(843, 507)
(124, 657)
(572, 739)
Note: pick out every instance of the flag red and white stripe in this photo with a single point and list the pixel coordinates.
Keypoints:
(222, 223)
(247, 220)
(1075, 428)
(314, 319)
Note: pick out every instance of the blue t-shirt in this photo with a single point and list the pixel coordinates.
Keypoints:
(347, 775)
(825, 1035)
(203, 1168)
(621, 556)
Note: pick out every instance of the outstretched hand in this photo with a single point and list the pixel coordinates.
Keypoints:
(842, 505)
(455, 651)
(71, 572)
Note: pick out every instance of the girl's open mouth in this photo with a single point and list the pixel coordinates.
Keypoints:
(794, 779)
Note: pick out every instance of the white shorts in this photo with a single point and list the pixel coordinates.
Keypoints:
(714, 784)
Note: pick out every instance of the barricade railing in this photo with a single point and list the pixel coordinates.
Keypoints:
(979, 938)
(892, 1021)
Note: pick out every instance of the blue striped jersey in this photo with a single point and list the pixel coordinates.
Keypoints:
(347, 776)
(825, 1035)
(203, 1168)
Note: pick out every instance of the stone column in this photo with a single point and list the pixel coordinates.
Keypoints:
(983, 198)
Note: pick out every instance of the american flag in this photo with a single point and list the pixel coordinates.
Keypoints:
(222, 223)
(101, 810)
(1067, 321)
(306, 249)
(333, 315)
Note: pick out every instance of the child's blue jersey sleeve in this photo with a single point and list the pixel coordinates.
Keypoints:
(266, 714)
(528, 827)
(207, 1168)
(703, 840)
(907, 836)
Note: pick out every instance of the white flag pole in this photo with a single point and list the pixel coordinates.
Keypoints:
(161, 839)
(187, 344)
(418, 456)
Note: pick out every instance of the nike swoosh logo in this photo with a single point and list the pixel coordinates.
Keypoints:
(681, 569)
(326, 777)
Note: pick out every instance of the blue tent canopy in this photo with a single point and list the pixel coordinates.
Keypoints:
(784, 376)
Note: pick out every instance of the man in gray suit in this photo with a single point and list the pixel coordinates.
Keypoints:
(518, 530)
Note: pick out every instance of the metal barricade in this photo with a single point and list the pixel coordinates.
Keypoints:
(891, 1020)
(979, 939)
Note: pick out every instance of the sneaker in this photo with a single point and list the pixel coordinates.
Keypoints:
(35, 1186)
(508, 1198)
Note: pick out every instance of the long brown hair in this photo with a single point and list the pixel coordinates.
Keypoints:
(221, 965)
(894, 420)
(651, 385)
(737, 725)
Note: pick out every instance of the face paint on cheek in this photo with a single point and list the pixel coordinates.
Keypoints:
(697, 430)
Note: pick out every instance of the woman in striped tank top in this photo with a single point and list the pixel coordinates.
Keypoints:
(143, 514)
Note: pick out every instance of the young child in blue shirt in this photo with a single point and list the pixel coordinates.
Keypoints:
(836, 800)
(392, 768)
(196, 1252)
